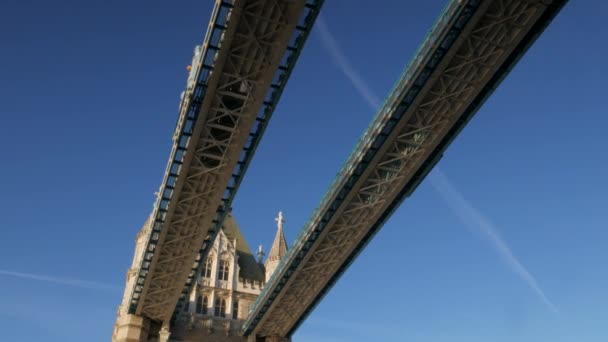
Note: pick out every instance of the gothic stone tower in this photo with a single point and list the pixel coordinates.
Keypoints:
(229, 283)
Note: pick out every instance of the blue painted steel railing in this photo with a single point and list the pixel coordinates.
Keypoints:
(280, 79)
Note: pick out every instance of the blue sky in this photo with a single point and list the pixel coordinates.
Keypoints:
(88, 102)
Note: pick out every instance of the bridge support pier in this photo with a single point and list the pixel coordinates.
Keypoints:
(132, 328)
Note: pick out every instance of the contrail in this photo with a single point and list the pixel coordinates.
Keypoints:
(465, 211)
(63, 281)
(480, 224)
(341, 61)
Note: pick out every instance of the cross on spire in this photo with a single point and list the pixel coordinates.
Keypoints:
(280, 220)
(279, 245)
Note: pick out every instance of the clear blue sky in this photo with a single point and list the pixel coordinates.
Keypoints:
(88, 100)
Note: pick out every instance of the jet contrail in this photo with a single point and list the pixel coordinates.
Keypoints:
(341, 61)
(480, 224)
(454, 199)
(63, 281)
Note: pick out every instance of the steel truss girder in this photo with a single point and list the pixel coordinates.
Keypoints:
(273, 95)
(211, 133)
(460, 63)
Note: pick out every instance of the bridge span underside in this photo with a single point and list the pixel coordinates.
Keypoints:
(253, 43)
(472, 46)
(247, 56)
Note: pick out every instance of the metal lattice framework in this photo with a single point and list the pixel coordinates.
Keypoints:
(288, 62)
(470, 49)
(216, 135)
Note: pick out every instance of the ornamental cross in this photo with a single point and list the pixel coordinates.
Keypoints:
(280, 220)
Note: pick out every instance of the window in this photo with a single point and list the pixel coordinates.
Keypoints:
(235, 309)
(207, 268)
(224, 270)
(205, 305)
(199, 305)
(220, 307)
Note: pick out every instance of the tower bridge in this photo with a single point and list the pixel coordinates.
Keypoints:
(237, 78)
(471, 48)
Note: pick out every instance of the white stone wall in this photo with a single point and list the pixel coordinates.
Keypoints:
(245, 291)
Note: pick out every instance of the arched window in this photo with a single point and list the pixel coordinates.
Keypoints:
(224, 270)
(223, 308)
(199, 305)
(205, 305)
(207, 268)
(235, 309)
(220, 307)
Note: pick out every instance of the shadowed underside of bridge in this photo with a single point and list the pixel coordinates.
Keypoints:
(247, 56)
(472, 46)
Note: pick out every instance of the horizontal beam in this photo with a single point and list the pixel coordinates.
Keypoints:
(271, 100)
(471, 48)
(241, 53)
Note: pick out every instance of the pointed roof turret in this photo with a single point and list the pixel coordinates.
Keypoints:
(260, 254)
(279, 246)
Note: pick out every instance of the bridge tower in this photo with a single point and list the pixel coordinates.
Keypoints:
(132, 327)
(230, 281)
